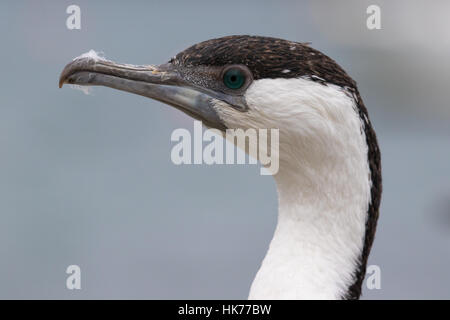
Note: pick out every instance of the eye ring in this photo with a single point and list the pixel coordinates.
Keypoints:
(236, 77)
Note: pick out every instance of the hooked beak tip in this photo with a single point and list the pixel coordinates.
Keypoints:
(62, 79)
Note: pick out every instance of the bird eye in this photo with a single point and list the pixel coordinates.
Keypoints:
(234, 78)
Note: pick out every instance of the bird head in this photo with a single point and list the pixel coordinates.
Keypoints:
(241, 82)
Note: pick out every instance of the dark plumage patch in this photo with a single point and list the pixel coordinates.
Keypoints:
(374, 158)
(266, 58)
(269, 58)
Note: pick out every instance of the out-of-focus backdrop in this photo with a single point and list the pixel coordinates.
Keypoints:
(87, 179)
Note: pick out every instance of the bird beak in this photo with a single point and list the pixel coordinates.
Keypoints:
(162, 83)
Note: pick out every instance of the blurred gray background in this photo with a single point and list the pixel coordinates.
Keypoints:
(87, 179)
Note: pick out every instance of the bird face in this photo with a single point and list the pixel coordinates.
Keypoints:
(195, 90)
(233, 82)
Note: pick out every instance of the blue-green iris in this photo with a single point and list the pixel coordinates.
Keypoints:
(234, 78)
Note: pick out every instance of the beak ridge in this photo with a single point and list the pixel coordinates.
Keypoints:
(149, 73)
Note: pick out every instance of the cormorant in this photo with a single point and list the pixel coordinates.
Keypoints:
(329, 180)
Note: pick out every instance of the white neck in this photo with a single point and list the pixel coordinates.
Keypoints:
(323, 188)
(317, 242)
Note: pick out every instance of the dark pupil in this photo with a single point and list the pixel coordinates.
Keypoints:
(234, 78)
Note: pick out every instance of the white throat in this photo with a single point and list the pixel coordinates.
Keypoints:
(323, 187)
(317, 242)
